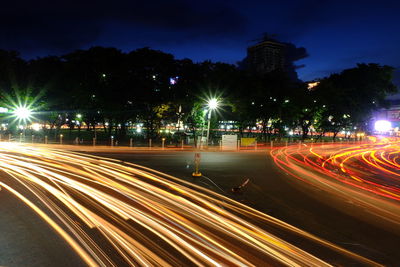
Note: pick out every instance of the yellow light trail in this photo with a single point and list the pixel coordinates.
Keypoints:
(147, 217)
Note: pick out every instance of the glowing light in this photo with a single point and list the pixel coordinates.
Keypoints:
(22, 113)
(213, 103)
(383, 126)
(36, 126)
(312, 85)
(79, 116)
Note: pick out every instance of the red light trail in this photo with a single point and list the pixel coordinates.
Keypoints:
(365, 173)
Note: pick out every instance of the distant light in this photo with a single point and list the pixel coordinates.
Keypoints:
(79, 116)
(312, 85)
(286, 101)
(3, 110)
(173, 80)
(103, 75)
(383, 126)
(36, 127)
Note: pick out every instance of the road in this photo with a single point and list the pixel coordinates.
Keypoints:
(341, 220)
(97, 207)
(113, 213)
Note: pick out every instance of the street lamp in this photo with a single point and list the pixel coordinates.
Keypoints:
(22, 113)
(212, 104)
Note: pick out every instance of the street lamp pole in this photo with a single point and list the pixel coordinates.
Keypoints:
(208, 127)
(212, 104)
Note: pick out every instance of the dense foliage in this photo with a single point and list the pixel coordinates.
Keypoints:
(116, 90)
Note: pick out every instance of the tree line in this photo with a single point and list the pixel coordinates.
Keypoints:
(107, 87)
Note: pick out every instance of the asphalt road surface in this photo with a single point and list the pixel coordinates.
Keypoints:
(273, 192)
(28, 240)
(112, 213)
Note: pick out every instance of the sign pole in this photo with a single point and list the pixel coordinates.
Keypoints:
(197, 157)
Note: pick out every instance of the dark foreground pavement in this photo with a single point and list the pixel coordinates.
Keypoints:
(26, 240)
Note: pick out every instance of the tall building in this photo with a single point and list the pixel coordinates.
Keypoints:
(266, 56)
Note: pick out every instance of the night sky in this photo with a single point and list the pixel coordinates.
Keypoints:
(337, 34)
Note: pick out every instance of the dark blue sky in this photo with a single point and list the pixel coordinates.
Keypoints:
(337, 34)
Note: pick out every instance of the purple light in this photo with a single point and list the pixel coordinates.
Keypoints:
(383, 126)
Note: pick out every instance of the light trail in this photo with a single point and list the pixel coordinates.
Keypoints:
(111, 212)
(367, 174)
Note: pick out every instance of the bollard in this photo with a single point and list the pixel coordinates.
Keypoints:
(33, 138)
(286, 143)
(197, 157)
(45, 139)
(76, 140)
(131, 142)
(255, 145)
(150, 142)
(272, 144)
(163, 143)
(61, 137)
(20, 137)
(238, 145)
(181, 144)
(112, 140)
(94, 141)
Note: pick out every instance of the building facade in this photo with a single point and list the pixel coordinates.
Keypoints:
(266, 56)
